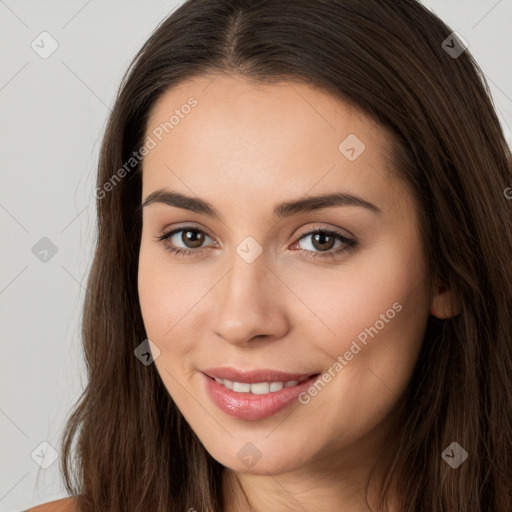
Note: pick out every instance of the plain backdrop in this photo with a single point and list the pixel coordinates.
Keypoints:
(53, 112)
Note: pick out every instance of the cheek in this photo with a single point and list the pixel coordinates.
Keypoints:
(166, 291)
(376, 300)
(375, 310)
(153, 299)
(162, 297)
(174, 300)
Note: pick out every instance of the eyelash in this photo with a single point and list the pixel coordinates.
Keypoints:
(178, 251)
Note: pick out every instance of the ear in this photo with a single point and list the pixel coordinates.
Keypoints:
(444, 302)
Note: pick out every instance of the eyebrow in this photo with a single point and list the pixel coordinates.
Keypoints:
(282, 210)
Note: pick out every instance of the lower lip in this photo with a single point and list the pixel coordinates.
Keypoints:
(248, 406)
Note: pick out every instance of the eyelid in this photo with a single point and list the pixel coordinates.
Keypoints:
(309, 230)
(168, 231)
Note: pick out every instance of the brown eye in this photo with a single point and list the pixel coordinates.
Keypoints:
(184, 241)
(192, 238)
(323, 241)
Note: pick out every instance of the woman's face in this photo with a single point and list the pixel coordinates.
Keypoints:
(260, 290)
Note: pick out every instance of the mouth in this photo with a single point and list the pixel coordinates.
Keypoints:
(260, 388)
(252, 397)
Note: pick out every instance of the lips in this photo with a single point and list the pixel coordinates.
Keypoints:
(227, 388)
(251, 376)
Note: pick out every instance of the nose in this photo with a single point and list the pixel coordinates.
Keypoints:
(250, 303)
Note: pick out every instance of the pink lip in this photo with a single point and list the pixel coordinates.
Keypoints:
(248, 406)
(253, 376)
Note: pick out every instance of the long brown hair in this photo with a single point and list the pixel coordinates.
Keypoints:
(134, 451)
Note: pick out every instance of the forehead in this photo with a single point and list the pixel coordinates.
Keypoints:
(245, 135)
(251, 104)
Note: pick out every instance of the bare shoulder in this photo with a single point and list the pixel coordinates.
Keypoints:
(62, 505)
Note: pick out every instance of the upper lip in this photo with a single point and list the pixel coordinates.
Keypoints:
(252, 376)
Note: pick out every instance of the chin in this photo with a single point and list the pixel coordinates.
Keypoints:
(256, 459)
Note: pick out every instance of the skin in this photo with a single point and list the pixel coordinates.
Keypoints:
(245, 148)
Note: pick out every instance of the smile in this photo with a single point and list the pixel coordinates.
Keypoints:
(258, 399)
(257, 388)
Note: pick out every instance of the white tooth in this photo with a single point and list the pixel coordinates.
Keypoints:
(276, 386)
(241, 387)
(260, 388)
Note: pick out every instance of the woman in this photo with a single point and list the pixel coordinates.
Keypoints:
(301, 293)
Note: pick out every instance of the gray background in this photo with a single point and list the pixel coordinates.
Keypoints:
(53, 113)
